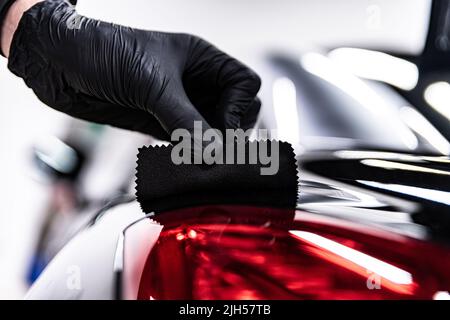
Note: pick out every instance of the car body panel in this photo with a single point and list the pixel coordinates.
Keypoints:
(361, 229)
(324, 249)
(84, 268)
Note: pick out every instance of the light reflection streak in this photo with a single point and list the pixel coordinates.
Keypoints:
(420, 124)
(379, 66)
(437, 95)
(285, 107)
(393, 278)
(325, 68)
(401, 166)
(429, 194)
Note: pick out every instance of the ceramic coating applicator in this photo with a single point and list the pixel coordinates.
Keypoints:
(162, 185)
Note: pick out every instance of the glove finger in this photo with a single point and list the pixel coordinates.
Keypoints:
(235, 83)
(177, 112)
(240, 86)
(94, 110)
(249, 119)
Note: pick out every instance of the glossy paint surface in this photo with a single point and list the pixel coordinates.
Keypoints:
(231, 252)
(394, 179)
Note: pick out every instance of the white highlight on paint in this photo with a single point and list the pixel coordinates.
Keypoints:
(324, 68)
(381, 268)
(375, 65)
(421, 126)
(428, 194)
(365, 154)
(285, 107)
(390, 165)
(441, 295)
(437, 95)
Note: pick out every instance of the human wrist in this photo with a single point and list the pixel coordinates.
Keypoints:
(11, 17)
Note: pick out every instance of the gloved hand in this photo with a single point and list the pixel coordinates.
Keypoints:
(145, 81)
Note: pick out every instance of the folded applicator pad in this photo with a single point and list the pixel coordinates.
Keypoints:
(162, 185)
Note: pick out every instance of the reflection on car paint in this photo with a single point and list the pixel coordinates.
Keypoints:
(235, 252)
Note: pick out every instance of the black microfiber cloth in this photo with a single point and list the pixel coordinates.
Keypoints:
(161, 185)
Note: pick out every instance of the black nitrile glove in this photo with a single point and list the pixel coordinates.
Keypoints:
(145, 81)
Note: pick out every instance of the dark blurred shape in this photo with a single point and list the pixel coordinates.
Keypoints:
(434, 65)
(423, 179)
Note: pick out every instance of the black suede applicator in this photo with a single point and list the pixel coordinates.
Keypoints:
(162, 185)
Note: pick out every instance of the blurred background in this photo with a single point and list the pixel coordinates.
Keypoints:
(55, 171)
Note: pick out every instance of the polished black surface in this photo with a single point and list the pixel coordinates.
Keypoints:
(405, 192)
